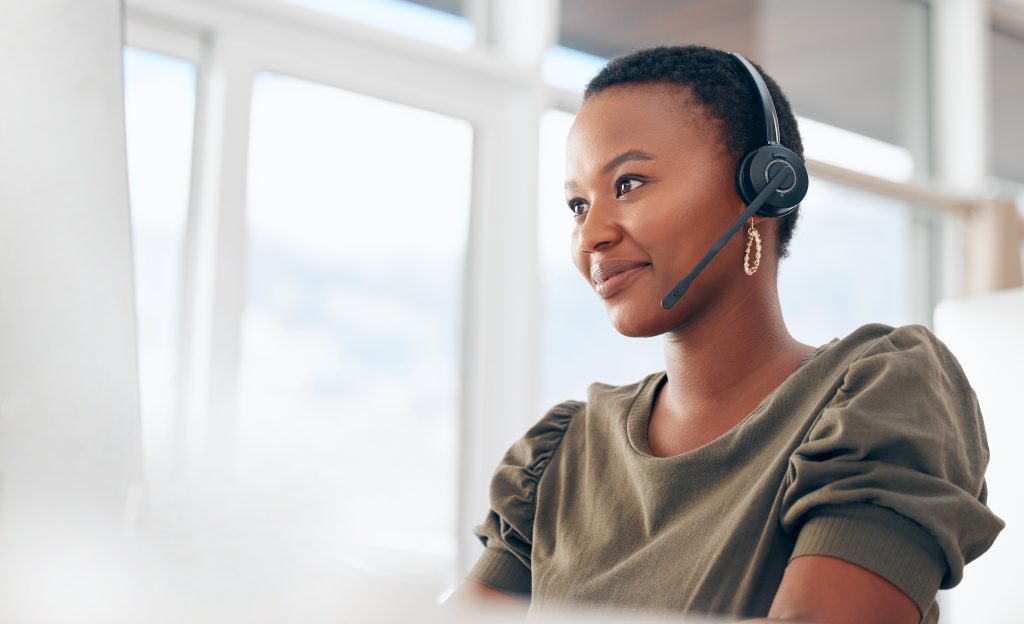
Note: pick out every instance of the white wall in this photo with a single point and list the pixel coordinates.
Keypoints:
(69, 432)
(987, 335)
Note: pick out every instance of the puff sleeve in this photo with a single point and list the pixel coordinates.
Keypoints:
(891, 475)
(507, 530)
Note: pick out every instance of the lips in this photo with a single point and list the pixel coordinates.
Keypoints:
(611, 276)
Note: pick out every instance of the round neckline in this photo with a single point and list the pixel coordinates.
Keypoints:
(639, 415)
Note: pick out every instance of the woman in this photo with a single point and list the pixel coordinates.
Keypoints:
(755, 476)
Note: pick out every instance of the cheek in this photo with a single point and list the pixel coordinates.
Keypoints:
(579, 259)
(679, 237)
(668, 231)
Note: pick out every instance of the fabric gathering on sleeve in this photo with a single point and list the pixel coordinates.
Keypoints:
(507, 530)
(891, 475)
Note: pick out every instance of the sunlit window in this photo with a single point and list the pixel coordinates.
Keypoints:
(1007, 97)
(357, 232)
(159, 110)
(437, 21)
(850, 263)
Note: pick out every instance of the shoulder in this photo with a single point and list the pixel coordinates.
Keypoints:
(908, 359)
(892, 470)
(906, 342)
(902, 381)
(548, 431)
(602, 397)
(507, 530)
(896, 365)
(878, 338)
(530, 454)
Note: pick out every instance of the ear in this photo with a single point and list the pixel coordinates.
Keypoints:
(768, 228)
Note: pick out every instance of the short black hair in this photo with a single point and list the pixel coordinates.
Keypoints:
(717, 81)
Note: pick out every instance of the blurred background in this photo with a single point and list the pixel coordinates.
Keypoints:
(348, 255)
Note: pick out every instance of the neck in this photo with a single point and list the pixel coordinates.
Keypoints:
(732, 356)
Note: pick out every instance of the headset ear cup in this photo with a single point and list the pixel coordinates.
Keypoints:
(759, 166)
(744, 186)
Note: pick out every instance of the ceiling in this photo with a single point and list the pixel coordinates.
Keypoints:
(862, 66)
(850, 64)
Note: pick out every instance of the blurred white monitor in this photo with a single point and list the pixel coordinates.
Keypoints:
(987, 335)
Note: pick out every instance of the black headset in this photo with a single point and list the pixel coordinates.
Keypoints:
(758, 167)
(771, 180)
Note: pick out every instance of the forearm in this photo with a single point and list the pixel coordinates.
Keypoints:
(474, 594)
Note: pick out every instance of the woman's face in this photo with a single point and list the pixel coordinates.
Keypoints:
(652, 189)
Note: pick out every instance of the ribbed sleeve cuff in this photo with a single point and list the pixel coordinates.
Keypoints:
(500, 570)
(880, 540)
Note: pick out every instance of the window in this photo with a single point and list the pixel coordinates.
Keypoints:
(1007, 95)
(159, 111)
(437, 21)
(851, 262)
(1007, 126)
(357, 232)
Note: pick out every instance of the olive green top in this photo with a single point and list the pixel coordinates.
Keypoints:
(873, 451)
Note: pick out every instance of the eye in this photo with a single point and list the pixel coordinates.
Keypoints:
(578, 208)
(626, 184)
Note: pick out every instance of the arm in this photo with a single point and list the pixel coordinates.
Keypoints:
(472, 594)
(507, 530)
(814, 590)
(886, 494)
(825, 590)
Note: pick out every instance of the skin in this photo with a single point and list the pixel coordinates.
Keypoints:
(649, 181)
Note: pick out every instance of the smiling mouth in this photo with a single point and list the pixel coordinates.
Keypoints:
(614, 284)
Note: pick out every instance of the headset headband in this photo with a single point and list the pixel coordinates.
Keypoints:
(771, 119)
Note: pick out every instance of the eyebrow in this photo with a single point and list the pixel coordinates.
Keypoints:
(628, 155)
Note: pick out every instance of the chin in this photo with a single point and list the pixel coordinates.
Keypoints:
(635, 321)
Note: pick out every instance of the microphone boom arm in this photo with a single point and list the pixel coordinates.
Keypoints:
(680, 288)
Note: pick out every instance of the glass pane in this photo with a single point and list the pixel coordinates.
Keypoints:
(438, 21)
(816, 50)
(159, 94)
(1007, 99)
(358, 222)
(453, 7)
(851, 262)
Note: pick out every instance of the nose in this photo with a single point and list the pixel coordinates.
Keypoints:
(599, 230)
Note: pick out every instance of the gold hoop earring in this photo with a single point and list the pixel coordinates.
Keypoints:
(753, 238)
